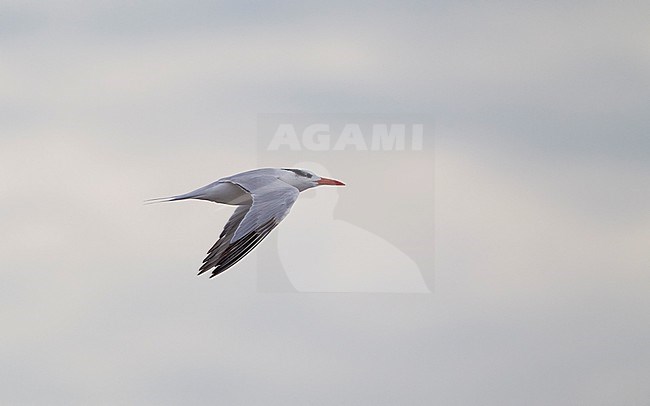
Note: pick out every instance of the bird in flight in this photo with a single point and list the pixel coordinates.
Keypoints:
(263, 198)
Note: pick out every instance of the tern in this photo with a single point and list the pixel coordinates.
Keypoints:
(263, 198)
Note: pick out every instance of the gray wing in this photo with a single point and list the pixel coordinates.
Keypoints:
(249, 225)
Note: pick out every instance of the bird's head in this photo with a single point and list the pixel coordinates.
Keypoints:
(303, 179)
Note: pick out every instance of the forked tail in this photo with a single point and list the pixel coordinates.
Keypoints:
(190, 195)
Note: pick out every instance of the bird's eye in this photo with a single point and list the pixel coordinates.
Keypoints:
(299, 172)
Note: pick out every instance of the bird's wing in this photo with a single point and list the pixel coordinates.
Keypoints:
(250, 224)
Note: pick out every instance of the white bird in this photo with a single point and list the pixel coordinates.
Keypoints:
(264, 198)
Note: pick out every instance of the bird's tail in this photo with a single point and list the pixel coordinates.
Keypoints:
(190, 195)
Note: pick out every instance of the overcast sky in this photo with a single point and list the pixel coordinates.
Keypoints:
(538, 202)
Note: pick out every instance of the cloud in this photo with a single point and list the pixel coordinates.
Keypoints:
(540, 222)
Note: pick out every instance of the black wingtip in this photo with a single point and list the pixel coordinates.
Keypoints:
(204, 270)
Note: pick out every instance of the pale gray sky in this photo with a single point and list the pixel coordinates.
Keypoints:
(541, 221)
